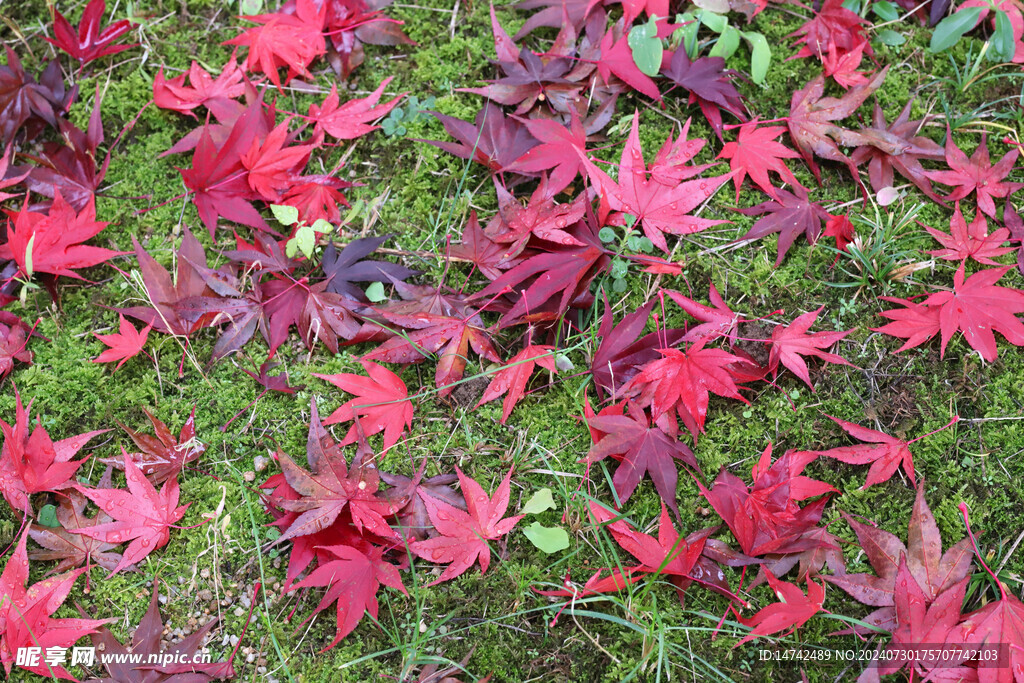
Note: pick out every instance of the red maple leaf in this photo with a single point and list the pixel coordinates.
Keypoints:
(510, 381)
(73, 550)
(142, 515)
(33, 463)
(545, 83)
(217, 95)
(934, 571)
(683, 381)
(122, 661)
(177, 305)
(218, 178)
(616, 59)
(162, 455)
(622, 352)
(14, 335)
(717, 320)
(812, 121)
(833, 29)
(562, 149)
(493, 139)
(885, 453)
(978, 307)
(92, 40)
(976, 174)
(284, 40)
(413, 521)
(545, 286)
(352, 579)
(349, 25)
(920, 621)
(709, 84)
(659, 208)
(1000, 621)
(756, 152)
(464, 535)
(352, 119)
(452, 334)
(28, 104)
(897, 147)
(915, 322)
(842, 228)
(52, 242)
(970, 241)
(69, 166)
(669, 554)
(602, 581)
(542, 217)
(1015, 225)
(331, 487)
(641, 447)
(842, 66)
(477, 248)
(381, 403)
(316, 197)
(790, 343)
(127, 343)
(766, 517)
(792, 611)
(272, 163)
(25, 615)
(789, 214)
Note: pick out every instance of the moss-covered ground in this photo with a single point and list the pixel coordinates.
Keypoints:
(644, 634)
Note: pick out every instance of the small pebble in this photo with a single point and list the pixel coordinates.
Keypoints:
(260, 463)
(249, 476)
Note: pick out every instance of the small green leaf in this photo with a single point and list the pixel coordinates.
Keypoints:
(646, 47)
(646, 245)
(951, 29)
(48, 516)
(375, 292)
(606, 235)
(273, 534)
(539, 502)
(630, 220)
(852, 5)
(547, 539)
(886, 11)
(250, 6)
(322, 226)
(716, 6)
(760, 56)
(715, 22)
(1002, 42)
(618, 285)
(285, 215)
(306, 239)
(727, 44)
(28, 255)
(688, 33)
(890, 38)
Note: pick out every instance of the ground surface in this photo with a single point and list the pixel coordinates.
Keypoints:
(426, 194)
